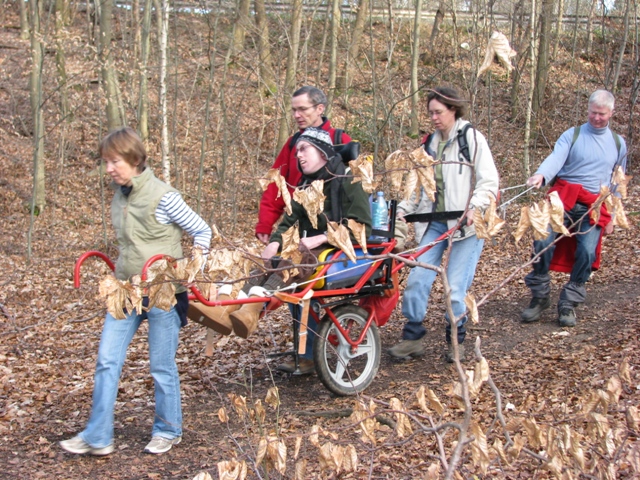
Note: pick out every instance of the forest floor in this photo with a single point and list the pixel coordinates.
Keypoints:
(49, 334)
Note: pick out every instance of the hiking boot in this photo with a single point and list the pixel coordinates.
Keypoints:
(450, 357)
(78, 446)
(567, 317)
(534, 310)
(215, 318)
(161, 445)
(306, 366)
(407, 349)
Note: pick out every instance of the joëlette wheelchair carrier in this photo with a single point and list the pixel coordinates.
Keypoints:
(346, 348)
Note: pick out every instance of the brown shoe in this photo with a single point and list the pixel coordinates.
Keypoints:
(245, 320)
(305, 367)
(216, 318)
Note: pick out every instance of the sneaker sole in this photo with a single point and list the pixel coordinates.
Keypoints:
(176, 441)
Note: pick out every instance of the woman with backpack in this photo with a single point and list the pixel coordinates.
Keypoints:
(465, 174)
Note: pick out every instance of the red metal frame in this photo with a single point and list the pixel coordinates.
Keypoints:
(386, 247)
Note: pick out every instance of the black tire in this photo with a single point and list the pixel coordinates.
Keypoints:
(341, 371)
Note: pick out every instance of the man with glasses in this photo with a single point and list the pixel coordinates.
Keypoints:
(308, 105)
(583, 160)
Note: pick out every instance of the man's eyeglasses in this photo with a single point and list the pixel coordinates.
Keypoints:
(303, 109)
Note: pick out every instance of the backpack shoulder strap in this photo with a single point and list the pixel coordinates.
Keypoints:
(463, 144)
(576, 133)
(294, 139)
(616, 138)
(427, 141)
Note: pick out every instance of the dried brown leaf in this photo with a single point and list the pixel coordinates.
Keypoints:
(556, 214)
(487, 224)
(479, 448)
(260, 412)
(301, 470)
(621, 181)
(232, 470)
(403, 424)
(312, 199)
(396, 164)
(359, 231)
(350, 462)
(470, 302)
(296, 448)
(523, 224)
(539, 219)
(633, 418)
(114, 292)
(331, 457)
(273, 397)
(498, 46)
(423, 162)
(222, 415)
(338, 236)
(362, 170)
(162, 293)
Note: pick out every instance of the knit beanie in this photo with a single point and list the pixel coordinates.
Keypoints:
(320, 139)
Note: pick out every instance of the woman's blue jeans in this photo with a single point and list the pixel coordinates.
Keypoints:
(163, 344)
(463, 259)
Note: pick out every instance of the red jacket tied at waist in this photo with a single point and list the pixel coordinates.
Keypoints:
(570, 194)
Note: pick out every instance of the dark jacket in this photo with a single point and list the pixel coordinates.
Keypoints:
(354, 204)
(286, 162)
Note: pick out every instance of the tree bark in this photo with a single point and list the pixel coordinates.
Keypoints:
(623, 47)
(240, 27)
(35, 94)
(60, 60)
(333, 57)
(24, 20)
(290, 76)
(542, 66)
(164, 33)
(559, 28)
(590, 26)
(264, 49)
(415, 57)
(109, 80)
(437, 21)
(354, 46)
(143, 100)
(526, 162)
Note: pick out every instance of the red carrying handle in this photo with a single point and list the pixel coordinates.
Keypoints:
(80, 261)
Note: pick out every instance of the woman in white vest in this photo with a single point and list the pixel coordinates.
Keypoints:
(149, 217)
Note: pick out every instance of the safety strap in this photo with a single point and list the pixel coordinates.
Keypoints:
(463, 144)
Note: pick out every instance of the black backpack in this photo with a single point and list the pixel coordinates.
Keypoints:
(463, 145)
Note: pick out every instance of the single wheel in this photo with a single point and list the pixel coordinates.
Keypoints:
(341, 370)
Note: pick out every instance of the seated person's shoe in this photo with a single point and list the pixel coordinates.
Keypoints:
(216, 318)
(245, 320)
(306, 367)
(78, 446)
(407, 349)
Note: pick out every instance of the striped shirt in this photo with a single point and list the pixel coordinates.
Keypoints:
(173, 209)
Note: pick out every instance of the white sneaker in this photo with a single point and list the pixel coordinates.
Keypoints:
(79, 446)
(161, 445)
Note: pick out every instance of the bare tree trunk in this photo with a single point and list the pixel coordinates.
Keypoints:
(264, 49)
(415, 57)
(240, 27)
(290, 76)
(527, 127)
(109, 80)
(137, 31)
(542, 67)
(35, 94)
(60, 60)
(323, 46)
(164, 32)
(24, 20)
(559, 28)
(143, 101)
(590, 26)
(437, 21)
(333, 57)
(354, 46)
(623, 47)
(575, 34)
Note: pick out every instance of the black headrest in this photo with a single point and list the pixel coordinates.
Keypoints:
(348, 151)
